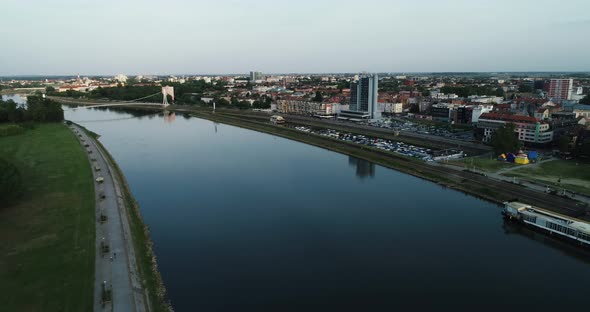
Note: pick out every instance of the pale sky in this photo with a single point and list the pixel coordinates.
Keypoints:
(230, 36)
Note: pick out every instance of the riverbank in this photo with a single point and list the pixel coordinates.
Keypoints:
(145, 258)
(469, 182)
(472, 183)
(47, 235)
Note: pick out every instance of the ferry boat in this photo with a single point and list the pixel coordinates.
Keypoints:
(554, 223)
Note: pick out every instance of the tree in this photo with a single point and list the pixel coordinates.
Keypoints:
(10, 181)
(564, 143)
(584, 150)
(505, 140)
(318, 97)
(500, 92)
(585, 100)
(414, 109)
(222, 102)
(525, 88)
(244, 104)
(49, 89)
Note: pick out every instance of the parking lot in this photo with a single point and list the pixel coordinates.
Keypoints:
(409, 126)
(387, 145)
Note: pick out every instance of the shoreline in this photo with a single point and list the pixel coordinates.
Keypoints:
(465, 181)
(471, 183)
(146, 262)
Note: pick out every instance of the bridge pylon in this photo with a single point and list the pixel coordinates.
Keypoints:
(167, 90)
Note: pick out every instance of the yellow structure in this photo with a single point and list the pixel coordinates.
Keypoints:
(521, 159)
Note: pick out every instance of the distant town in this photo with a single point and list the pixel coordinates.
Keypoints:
(549, 111)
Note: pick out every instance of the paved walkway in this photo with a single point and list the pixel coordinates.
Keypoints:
(115, 269)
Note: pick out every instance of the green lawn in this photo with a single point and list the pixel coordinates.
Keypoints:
(482, 163)
(569, 174)
(47, 237)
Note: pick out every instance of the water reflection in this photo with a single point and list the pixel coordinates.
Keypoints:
(364, 168)
(169, 117)
(567, 248)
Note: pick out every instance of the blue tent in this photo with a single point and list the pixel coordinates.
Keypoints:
(533, 155)
(510, 157)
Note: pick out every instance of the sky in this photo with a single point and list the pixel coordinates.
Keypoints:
(64, 37)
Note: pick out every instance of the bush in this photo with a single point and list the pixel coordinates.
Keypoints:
(10, 182)
(11, 130)
(29, 125)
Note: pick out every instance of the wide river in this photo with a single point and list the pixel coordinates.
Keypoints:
(246, 221)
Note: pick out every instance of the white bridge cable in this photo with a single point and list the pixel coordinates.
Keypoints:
(145, 97)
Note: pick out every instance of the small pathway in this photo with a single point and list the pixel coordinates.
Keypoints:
(115, 266)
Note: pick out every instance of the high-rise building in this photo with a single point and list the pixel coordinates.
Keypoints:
(561, 89)
(364, 94)
(254, 75)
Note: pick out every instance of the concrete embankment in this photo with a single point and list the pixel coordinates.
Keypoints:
(124, 217)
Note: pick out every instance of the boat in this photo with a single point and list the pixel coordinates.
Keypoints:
(275, 119)
(551, 222)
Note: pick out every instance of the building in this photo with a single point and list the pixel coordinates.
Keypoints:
(529, 129)
(440, 112)
(478, 110)
(120, 78)
(364, 96)
(307, 108)
(485, 99)
(255, 76)
(453, 113)
(581, 110)
(561, 89)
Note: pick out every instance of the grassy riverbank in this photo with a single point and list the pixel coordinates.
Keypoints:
(47, 235)
(142, 243)
(474, 184)
(571, 175)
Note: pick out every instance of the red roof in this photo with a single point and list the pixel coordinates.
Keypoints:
(508, 117)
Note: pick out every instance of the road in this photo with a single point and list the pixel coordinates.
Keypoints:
(116, 269)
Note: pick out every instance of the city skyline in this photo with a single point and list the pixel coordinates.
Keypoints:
(270, 36)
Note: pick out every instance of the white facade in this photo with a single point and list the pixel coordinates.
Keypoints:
(582, 111)
(442, 96)
(478, 110)
(485, 99)
(121, 78)
(527, 131)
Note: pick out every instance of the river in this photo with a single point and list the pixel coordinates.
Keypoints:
(246, 221)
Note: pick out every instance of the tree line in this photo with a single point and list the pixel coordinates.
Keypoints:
(466, 91)
(186, 93)
(37, 109)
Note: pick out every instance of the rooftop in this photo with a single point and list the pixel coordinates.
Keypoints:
(508, 117)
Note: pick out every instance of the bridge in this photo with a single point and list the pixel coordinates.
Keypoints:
(167, 90)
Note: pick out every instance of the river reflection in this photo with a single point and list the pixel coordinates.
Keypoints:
(568, 248)
(364, 168)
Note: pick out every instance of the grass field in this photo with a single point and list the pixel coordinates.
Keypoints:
(568, 174)
(482, 163)
(47, 236)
